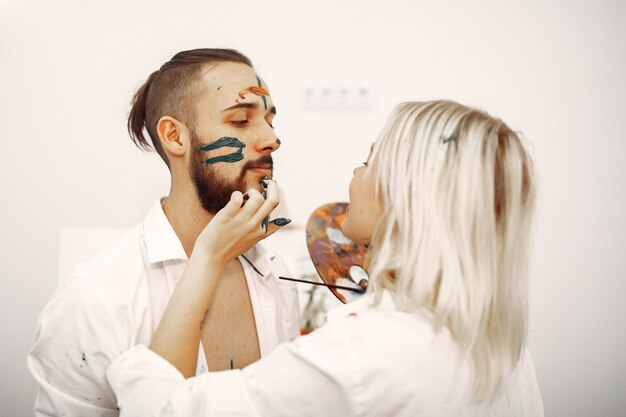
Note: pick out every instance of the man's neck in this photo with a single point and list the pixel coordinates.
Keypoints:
(187, 217)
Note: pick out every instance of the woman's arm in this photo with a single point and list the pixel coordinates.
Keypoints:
(178, 334)
(233, 230)
(315, 375)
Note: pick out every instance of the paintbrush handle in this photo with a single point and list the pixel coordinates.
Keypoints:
(339, 287)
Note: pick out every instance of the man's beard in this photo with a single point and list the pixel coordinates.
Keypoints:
(212, 189)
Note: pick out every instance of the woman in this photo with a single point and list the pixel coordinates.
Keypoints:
(445, 203)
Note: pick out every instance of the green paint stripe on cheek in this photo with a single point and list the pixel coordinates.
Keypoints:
(222, 142)
(230, 158)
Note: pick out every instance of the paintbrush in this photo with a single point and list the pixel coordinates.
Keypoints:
(339, 287)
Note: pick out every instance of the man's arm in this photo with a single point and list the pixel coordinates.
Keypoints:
(75, 343)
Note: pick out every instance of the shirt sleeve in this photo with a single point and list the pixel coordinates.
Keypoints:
(312, 375)
(75, 343)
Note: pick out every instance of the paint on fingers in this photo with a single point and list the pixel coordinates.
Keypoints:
(281, 221)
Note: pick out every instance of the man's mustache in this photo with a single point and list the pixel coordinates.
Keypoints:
(264, 160)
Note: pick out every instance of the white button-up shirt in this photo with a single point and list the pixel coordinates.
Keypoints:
(116, 302)
(366, 361)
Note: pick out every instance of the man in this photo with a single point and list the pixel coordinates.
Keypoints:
(209, 116)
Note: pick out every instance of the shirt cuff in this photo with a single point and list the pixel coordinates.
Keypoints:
(138, 376)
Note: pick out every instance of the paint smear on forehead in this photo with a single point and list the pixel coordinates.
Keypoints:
(258, 80)
(257, 90)
(224, 142)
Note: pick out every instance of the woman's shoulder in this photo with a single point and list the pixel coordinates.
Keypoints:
(392, 348)
(368, 317)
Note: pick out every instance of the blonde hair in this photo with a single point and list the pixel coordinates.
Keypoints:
(458, 193)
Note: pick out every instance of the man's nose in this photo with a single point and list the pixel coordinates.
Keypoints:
(267, 140)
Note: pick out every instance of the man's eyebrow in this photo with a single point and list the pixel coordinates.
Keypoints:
(242, 106)
(252, 106)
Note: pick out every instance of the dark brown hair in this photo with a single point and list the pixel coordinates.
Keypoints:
(171, 91)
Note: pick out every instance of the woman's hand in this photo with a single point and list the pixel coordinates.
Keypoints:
(237, 227)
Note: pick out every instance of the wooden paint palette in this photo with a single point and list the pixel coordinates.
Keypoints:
(337, 259)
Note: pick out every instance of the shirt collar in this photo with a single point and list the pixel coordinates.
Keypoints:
(262, 260)
(162, 242)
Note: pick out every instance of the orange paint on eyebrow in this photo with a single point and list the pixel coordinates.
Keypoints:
(257, 91)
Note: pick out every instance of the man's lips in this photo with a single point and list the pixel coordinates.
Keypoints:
(262, 170)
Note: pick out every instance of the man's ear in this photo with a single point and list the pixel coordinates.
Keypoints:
(173, 135)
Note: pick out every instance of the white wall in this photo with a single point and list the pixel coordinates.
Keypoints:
(552, 69)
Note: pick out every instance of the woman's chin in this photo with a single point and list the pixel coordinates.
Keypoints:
(345, 229)
(349, 233)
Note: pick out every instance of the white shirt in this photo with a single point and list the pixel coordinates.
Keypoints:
(116, 302)
(366, 361)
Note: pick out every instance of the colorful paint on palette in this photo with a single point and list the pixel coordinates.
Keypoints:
(336, 258)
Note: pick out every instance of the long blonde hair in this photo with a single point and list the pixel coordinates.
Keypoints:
(457, 188)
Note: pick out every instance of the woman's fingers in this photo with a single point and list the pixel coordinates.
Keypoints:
(253, 200)
(234, 204)
(272, 197)
(271, 229)
(271, 201)
(242, 222)
(258, 206)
